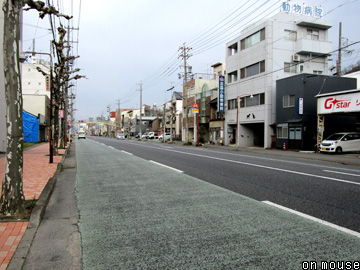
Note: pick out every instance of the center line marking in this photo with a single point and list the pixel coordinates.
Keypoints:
(165, 166)
(264, 167)
(342, 173)
(337, 227)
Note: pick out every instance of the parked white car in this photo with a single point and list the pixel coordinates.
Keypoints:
(167, 137)
(120, 137)
(82, 135)
(150, 135)
(341, 142)
(144, 135)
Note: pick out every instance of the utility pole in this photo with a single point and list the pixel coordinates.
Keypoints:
(338, 66)
(185, 55)
(118, 102)
(164, 121)
(140, 109)
(108, 122)
(171, 113)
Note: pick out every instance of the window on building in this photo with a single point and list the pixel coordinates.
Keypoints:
(232, 76)
(252, 70)
(319, 72)
(295, 133)
(289, 101)
(282, 131)
(290, 67)
(290, 35)
(313, 34)
(232, 104)
(256, 100)
(232, 49)
(253, 39)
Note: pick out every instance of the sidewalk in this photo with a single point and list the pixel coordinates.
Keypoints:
(36, 173)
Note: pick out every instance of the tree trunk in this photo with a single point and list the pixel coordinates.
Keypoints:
(12, 196)
(62, 134)
(56, 128)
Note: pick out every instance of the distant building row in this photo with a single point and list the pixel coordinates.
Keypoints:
(275, 74)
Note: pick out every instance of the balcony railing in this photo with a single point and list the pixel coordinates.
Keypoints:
(315, 47)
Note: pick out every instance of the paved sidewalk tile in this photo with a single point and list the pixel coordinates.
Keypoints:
(10, 236)
(36, 170)
(36, 173)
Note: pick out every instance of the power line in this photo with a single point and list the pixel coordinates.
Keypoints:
(249, 10)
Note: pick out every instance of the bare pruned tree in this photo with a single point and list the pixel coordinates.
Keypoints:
(12, 195)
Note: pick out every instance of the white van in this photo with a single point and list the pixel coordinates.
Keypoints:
(167, 137)
(341, 142)
(82, 135)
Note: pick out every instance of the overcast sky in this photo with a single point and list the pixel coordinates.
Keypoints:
(121, 43)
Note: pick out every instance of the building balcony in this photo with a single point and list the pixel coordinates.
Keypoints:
(315, 47)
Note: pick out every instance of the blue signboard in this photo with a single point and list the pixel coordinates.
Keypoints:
(221, 93)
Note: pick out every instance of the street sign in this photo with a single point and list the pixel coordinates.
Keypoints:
(195, 108)
(221, 94)
(61, 113)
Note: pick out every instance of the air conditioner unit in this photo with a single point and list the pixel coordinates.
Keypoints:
(296, 58)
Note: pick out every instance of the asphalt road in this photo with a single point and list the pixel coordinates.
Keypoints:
(137, 214)
(327, 191)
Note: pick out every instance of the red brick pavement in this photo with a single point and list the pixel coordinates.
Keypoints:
(36, 173)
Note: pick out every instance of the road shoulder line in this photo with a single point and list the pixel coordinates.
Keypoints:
(334, 226)
(165, 166)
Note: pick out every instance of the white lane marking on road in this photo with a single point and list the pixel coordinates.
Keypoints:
(254, 157)
(342, 173)
(167, 147)
(273, 159)
(337, 227)
(264, 167)
(165, 166)
(126, 152)
(112, 147)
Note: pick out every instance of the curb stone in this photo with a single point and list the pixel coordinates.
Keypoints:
(37, 214)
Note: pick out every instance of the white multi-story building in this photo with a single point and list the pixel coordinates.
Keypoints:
(36, 93)
(34, 82)
(265, 52)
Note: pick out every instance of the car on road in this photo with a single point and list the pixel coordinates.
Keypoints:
(137, 136)
(82, 135)
(120, 137)
(144, 136)
(167, 137)
(341, 142)
(150, 135)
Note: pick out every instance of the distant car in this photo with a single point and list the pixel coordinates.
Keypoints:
(120, 137)
(137, 136)
(82, 135)
(150, 135)
(167, 137)
(341, 142)
(144, 136)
